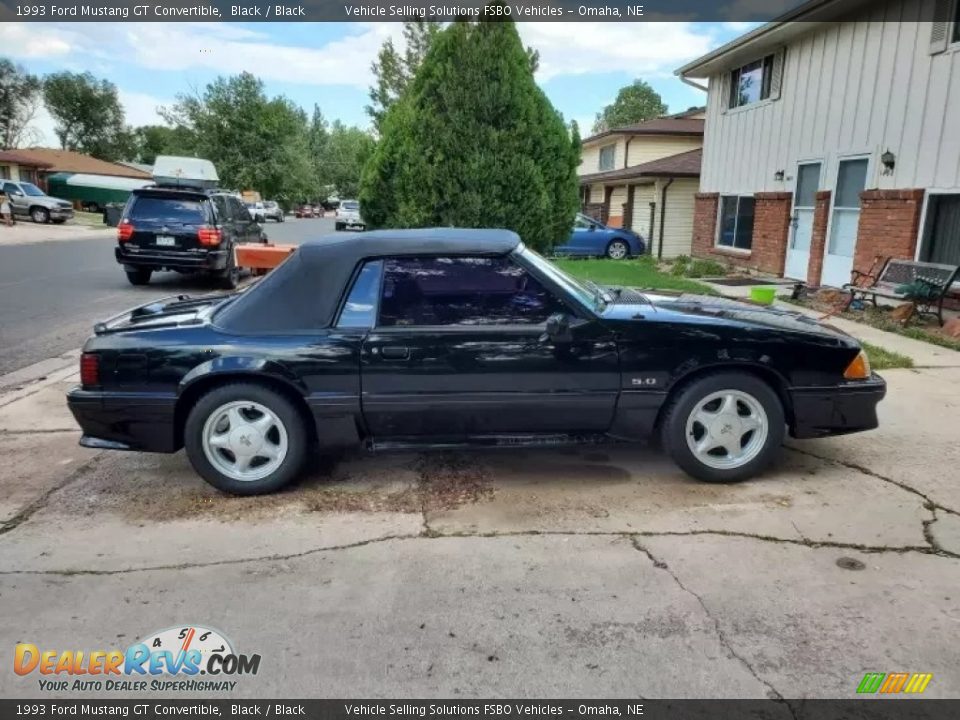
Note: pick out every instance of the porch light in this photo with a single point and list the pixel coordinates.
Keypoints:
(779, 175)
(889, 161)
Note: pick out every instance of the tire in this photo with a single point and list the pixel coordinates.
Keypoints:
(40, 215)
(212, 442)
(618, 249)
(140, 276)
(338, 227)
(695, 440)
(229, 277)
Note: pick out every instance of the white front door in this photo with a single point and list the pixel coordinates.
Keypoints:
(840, 246)
(804, 202)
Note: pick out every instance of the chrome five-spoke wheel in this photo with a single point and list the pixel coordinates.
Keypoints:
(617, 250)
(727, 429)
(245, 440)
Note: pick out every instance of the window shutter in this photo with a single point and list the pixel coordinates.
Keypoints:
(940, 32)
(777, 78)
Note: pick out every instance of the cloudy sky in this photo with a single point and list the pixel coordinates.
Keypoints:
(582, 65)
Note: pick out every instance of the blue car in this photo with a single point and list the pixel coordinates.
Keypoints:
(591, 238)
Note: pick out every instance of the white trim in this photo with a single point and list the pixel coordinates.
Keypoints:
(923, 215)
(871, 170)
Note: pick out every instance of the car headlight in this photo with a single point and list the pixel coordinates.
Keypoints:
(859, 367)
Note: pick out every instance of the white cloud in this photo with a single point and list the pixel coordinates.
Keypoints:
(25, 40)
(640, 49)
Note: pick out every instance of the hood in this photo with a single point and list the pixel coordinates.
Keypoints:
(632, 305)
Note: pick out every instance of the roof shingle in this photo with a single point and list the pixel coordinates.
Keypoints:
(70, 161)
(656, 126)
(685, 164)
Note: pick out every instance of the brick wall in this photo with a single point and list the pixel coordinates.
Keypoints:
(704, 223)
(889, 222)
(771, 229)
(818, 240)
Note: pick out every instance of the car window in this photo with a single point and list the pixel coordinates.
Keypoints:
(582, 222)
(168, 210)
(10, 188)
(360, 309)
(32, 190)
(350, 205)
(467, 291)
(240, 211)
(222, 207)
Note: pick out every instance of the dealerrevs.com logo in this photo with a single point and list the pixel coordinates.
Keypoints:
(168, 660)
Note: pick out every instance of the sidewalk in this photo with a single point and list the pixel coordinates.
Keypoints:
(25, 232)
(923, 354)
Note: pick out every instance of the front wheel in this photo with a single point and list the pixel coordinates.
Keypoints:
(245, 439)
(617, 250)
(338, 226)
(40, 215)
(724, 427)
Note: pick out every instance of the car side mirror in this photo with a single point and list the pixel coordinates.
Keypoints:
(592, 227)
(558, 329)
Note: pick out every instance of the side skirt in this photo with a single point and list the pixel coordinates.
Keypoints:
(487, 441)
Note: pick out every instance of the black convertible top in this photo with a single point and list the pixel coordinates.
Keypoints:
(304, 292)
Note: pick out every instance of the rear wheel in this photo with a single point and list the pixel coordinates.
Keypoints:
(617, 250)
(229, 277)
(724, 427)
(140, 276)
(40, 215)
(245, 439)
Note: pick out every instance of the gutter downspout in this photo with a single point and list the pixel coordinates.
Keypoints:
(687, 81)
(663, 212)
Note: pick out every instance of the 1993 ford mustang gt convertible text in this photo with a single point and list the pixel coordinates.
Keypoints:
(446, 338)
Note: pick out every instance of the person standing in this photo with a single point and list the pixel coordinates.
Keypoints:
(6, 212)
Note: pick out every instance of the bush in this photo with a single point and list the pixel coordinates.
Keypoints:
(684, 266)
(474, 142)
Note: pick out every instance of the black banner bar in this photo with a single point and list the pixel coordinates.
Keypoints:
(877, 708)
(381, 11)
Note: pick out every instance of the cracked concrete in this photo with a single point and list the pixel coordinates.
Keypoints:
(600, 571)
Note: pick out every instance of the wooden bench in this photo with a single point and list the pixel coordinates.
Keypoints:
(895, 273)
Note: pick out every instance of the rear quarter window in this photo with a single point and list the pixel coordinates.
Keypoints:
(169, 210)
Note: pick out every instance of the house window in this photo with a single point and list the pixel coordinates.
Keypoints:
(752, 82)
(28, 175)
(607, 156)
(941, 237)
(736, 222)
(4, 172)
(956, 23)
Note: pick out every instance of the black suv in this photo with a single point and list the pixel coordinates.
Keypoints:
(187, 230)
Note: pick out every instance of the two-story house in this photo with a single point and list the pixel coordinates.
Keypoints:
(832, 139)
(645, 177)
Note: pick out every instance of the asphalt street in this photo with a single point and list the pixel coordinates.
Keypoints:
(53, 290)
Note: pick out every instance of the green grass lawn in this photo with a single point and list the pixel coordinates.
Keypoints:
(88, 219)
(641, 273)
(883, 359)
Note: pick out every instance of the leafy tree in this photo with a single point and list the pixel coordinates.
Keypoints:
(474, 142)
(575, 138)
(341, 162)
(393, 71)
(634, 103)
(255, 143)
(152, 140)
(88, 114)
(19, 99)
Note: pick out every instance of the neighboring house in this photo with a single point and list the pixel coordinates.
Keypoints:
(16, 166)
(88, 182)
(645, 177)
(832, 140)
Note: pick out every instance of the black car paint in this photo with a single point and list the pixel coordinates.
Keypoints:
(450, 385)
(142, 252)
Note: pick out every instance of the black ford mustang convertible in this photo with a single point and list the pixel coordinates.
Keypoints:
(457, 338)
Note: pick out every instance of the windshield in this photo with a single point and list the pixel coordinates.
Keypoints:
(32, 190)
(350, 205)
(168, 210)
(586, 292)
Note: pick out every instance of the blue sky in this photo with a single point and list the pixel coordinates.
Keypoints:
(582, 64)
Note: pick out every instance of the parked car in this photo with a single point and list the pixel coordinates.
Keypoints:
(304, 211)
(258, 211)
(27, 199)
(591, 238)
(415, 339)
(348, 216)
(272, 211)
(183, 229)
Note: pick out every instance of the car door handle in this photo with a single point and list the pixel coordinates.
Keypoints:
(395, 353)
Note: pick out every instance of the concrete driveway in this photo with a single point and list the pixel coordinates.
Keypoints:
(592, 572)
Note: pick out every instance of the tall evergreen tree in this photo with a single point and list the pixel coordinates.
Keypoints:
(474, 143)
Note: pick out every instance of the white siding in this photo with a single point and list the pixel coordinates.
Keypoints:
(646, 149)
(617, 198)
(590, 155)
(642, 223)
(857, 87)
